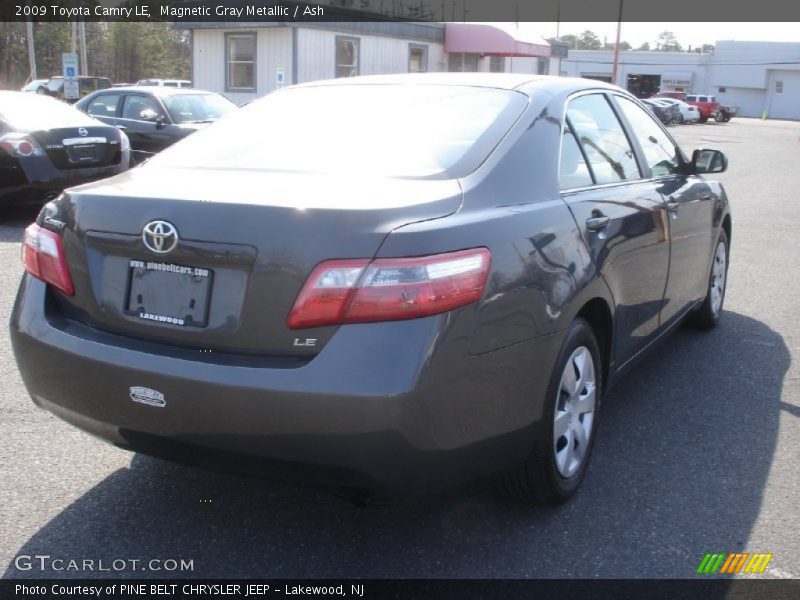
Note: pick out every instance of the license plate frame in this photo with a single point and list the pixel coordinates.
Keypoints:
(82, 153)
(185, 293)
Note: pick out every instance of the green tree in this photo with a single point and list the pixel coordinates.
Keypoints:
(588, 40)
(623, 46)
(668, 43)
(644, 47)
(14, 66)
(570, 40)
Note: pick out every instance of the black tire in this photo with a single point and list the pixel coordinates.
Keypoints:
(703, 119)
(537, 481)
(707, 315)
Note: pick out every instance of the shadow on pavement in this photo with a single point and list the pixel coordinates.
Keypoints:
(684, 449)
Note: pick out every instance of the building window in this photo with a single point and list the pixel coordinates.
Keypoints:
(497, 64)
(240, 61)
(722, 90)
(462, 62)
(417, 58)
(778, 87)
(543, 66)
(347, 52)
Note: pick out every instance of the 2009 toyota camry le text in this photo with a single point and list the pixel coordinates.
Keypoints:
(392, 283)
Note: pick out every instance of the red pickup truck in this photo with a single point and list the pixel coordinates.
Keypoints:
(707, 105)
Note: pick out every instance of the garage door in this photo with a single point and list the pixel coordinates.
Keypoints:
(785, 101)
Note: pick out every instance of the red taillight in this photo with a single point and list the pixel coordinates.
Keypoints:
(20, 145)
(43, 258)
(389, 289)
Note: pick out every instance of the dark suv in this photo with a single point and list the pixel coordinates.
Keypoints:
(86, 85)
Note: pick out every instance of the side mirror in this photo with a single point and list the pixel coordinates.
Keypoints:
(709, 161)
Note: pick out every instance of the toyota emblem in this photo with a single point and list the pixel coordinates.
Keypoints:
(160, 237)
(83, 131)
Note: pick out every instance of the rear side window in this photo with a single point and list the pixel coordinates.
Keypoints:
(602, 139)
(660, 154)
(572, 171)
(104, 105)
(413, 131)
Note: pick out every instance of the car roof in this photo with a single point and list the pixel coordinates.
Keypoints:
(528, 84)
(156, 90)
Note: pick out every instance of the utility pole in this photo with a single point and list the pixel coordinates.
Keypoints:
(31, 50)
(84, 62)
(616, 47)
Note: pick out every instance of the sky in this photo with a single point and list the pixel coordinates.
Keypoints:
(694, 34)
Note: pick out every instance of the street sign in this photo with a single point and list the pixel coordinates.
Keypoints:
(69, 63)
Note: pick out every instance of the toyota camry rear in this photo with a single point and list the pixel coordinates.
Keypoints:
(373, 283)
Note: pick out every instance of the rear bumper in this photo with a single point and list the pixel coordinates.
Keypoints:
(38, 180)
(413, 414)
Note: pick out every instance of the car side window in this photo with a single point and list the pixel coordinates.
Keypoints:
(141, 108)
(573, 171)
(661, 155)
(602, 139)
(104, 105)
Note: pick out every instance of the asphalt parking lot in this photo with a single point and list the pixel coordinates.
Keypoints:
(697, 451)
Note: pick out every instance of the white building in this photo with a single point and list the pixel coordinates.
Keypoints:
(753, 76)
(246, 60)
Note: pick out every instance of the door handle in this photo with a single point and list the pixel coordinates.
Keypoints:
(597, 223)
(673, 207)
(122, 127)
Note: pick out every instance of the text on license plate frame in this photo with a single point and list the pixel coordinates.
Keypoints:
(186, 290)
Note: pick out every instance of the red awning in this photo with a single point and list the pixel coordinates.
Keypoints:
(485, 39)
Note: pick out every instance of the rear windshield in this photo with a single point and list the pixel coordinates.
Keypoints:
(382, 130)
(32, 112)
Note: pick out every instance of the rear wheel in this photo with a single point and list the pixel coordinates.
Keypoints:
(560, 455)
(707, 315)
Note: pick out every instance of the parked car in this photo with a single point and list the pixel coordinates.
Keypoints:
(180, 83)
(674, 112)
(686, 113)
(725, 113)
(155, 117)
(36, 86)
(47, 145)
(673, 95)
(661, 111)
(377, 282)
(706, 104)
(86, 85)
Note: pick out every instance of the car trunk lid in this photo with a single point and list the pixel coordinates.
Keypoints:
(247, 242)
(80, 147)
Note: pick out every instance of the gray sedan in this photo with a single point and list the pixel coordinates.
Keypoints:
(395, 283)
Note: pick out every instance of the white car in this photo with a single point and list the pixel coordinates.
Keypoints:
(179, 83)
(689, 113)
